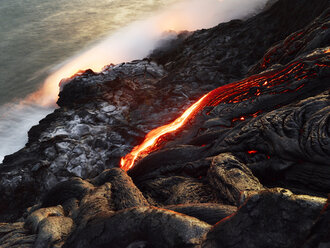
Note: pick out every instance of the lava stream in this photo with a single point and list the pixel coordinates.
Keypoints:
(235, 92)
(151, 139)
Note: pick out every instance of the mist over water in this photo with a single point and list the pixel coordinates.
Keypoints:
(38, 34)
(130, 41)
(36, 38)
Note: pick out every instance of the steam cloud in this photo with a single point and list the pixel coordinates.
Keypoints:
(134, 41)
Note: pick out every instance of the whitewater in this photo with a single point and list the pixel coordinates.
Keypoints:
(43, 42)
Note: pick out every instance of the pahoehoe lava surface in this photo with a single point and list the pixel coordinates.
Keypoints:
(250, 168)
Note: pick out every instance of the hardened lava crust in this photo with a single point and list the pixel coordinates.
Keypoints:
(249, 167)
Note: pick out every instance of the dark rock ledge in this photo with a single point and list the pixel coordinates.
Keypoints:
(249, 171)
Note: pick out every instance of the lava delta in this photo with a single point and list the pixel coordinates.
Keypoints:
(219, 138)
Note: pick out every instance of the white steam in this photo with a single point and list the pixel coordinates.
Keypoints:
(134, 41)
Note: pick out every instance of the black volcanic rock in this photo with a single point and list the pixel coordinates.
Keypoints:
(152, 227)
(212, 183)
(320, 232)
(123, 191)
(210, 213)
(305, 40)
(272, 218)
(15, 235)
(226, 52)
(230, 177)
(74, 188)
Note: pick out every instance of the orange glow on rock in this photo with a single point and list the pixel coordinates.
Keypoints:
(150, 142)
(48, 94)
(231, 93)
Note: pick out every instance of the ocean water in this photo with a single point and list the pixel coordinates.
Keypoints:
(43, 41)
(38, 34)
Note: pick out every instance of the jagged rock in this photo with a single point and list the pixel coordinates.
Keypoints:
(152, 226)
(272, 218)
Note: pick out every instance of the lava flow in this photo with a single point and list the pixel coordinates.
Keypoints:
(150, 142)
(235, 92)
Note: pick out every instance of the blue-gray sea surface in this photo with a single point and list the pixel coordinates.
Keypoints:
(37, 34)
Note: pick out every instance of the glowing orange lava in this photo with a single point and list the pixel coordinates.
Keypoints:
(152, 137)
(230, 93)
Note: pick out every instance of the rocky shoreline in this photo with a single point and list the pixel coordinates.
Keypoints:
(250, 170)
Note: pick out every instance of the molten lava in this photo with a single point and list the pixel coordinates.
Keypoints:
(248, 89)
(150, 142)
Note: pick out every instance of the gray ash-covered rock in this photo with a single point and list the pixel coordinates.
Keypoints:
(87, 134)
(251, 169)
